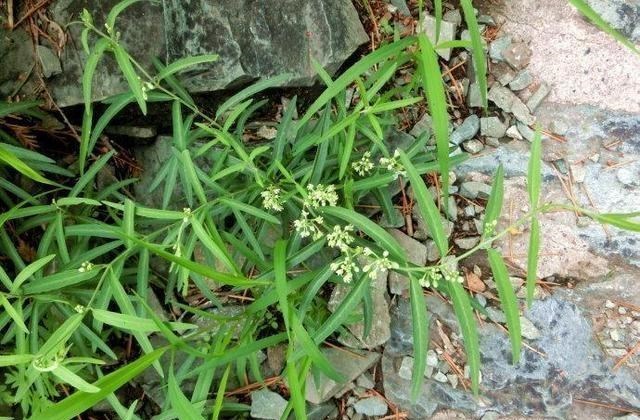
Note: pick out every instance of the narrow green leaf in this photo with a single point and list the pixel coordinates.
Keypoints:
(494, 205)
(427, 205)
(13, 314)
(280, 272)
(249, 209)
(129, 73)
(434, 90)
(116, 10)
(135, 323)
(15, 359)
(180, 402)
(338, 85)
(184, 63)
(29, 271)
(420, 325)
(374, 231)
(90, 174)
(462, 308)
(479, 59)
(59, 281)
(80, 401)
(508, 301)
(207, 240)
(532, 258)
(218, 403)
(74, 380)
(12, 160)
(250, 92)
(343, 311)
(87, 82)
(128, 221)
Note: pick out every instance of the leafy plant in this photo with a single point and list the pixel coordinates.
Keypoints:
(267, 223)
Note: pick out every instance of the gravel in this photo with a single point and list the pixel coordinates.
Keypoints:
(536, 99)
(492, 127)
(372, 406)
(466, 130)
(521, 81)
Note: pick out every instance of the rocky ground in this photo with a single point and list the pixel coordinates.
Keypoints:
(582, 354)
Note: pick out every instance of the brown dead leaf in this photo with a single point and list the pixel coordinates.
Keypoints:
(474, 283)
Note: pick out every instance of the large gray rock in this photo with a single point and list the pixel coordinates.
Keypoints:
(350, 363)
(253, 39)
(572, 366)
(355, 336)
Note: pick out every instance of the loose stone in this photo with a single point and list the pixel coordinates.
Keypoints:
(492, 127)
(517, 55)
(522, 80)
(536, 99)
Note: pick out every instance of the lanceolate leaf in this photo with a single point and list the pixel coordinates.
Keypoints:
(508, 301)
(420, 324)
(434, 90)
(79, 402)
(532, 258)
(479, 59)
(427, 205)
(462, 307)
(494, 205)
(375, 232)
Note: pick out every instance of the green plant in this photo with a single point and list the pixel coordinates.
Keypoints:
(277, 221)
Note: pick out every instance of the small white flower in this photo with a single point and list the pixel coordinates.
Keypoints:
(392, 165)
(379, 264)
(364, 166)
(308, 227)
(346, 267)
(341, 238)
(431, 277)
(85, 266)
(79, 309)
(271, 199)
(321, 195)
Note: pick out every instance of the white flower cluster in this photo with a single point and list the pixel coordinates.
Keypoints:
(341, 237)
(271, 198)
(379, 264)
(347, 266)
(320, 196)
(85, 266)
(392, 164)
(433, 275)
(306, 226)
(363, 166)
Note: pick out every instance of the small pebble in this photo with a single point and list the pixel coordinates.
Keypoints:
(440, 377)
(536, 99)
(622, 310)
(615, 335)
(432, 358)
(608, 304)
(512, 132)
(453, 380)
(473, 146)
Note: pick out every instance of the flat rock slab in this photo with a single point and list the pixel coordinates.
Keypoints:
(572, 366)
(581, 63)
(253, 39)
